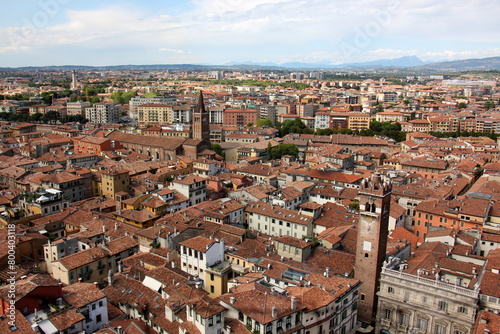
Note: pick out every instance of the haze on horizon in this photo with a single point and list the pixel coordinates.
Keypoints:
(70, 32)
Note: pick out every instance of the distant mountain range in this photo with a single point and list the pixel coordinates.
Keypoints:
(407, 63)
(491, 63)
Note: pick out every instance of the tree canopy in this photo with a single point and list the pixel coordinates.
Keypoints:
(120, 97)
(264, 122)
(280, 150)
(293, 126)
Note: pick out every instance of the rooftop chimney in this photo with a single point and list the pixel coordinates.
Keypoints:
(111, 278)
(232, 300)
(293, 301)
(274, 312)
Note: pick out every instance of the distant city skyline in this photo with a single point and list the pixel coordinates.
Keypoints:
(68, 32)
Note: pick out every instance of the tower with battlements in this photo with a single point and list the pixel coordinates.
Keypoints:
(374, 201)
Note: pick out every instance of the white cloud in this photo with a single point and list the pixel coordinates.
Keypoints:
(173, 50)
(391, 53)
(279, 30)
(465, 54)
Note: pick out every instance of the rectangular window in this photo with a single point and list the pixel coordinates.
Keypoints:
(439, 329)
(422, 324)
(404, 319)
(442, 306)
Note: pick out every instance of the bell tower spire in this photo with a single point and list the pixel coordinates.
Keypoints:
(200, 124)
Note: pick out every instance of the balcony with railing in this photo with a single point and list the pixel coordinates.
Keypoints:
(386, 323)
(436, 284)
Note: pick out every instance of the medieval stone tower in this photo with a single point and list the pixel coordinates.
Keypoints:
(374, 201)
(201, 124)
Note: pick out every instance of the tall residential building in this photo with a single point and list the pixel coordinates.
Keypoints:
(155, 113)
(135, 102)
(216, 114)
(103, 113)
(201, 125)
(270, 111)
(374, 198)
(319, 75)
(76, 108)
(113, 181)
(217, 75)
(239, 117)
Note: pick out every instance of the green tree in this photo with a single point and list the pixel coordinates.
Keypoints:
(36, 117)
(269, 149)
(217, 149)
(150, 94)
(462, 105)
(120, 97)
(50, 116)
(264, 122)
(489, 105)
(249, 124)
(376, 126)
(89, 91)
(283, 149)
(354, 206)
(325, 132)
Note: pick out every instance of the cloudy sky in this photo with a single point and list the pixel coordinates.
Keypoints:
(94, 32)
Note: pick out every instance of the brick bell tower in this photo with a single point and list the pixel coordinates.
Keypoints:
(374, 202)
(200, 125)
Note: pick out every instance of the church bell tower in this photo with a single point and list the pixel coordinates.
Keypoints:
(200, 125)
